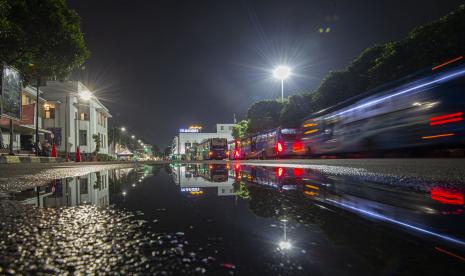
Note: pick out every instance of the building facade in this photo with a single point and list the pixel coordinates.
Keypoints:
(24, 129)
(73, 120)
(186, 139)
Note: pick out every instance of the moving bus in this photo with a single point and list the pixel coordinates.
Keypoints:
(421, 115)
(213, 149)
(278, 142)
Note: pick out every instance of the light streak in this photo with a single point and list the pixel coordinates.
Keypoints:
(446, 63)
(449, 76)
(406, 225)
(438, 136)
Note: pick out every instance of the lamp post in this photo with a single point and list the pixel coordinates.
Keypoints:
(282, 72)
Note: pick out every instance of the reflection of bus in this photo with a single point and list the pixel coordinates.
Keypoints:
(214, 172)
(213, 149)
(277, 142)
(426, 113)
(275, 177)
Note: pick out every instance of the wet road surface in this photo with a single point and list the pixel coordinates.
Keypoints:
(236, 219)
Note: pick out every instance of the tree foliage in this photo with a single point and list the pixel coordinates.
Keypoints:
(264, 115)
(41, 37)
(240, 129)
(294, 109)
(97, 142)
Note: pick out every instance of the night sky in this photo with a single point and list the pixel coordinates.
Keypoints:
(163, 65)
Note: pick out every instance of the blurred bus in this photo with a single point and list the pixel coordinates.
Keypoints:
(274, 143)
(423, 114)
(213, 149)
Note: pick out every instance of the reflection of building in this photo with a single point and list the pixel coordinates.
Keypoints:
(91, 188)
(196, 177)
(188, 137)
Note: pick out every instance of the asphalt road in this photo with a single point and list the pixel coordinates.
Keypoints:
(19, 176)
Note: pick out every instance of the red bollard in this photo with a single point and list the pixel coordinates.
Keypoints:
(54, 150)
(78, 155)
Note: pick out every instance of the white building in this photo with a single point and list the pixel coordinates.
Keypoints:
(186, 139)
(75, 120)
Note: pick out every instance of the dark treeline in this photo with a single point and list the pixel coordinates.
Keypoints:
(423, 47)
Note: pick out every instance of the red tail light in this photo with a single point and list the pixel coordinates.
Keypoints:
(297, 146)
(280, 171)
(297, 172)
(280, 147)
(447, 197)
(444, 119)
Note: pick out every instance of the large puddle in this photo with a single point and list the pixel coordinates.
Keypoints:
(232, 219)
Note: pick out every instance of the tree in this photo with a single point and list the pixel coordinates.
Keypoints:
(240, 129)
(264, 115)
(41, 37)
(97, 142)
(294, 110)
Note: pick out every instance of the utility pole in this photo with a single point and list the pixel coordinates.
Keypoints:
(37, 114)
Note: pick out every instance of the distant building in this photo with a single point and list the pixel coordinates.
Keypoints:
(188, 137)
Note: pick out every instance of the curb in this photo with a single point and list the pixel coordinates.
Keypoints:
(11, 159)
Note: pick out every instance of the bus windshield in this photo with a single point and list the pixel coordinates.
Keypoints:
(218, 143)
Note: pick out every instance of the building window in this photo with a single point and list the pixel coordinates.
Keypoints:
(83, 116)
(49, 112)
(222, 127)
(83, 137)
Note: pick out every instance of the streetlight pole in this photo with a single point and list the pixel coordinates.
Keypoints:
(282, 73)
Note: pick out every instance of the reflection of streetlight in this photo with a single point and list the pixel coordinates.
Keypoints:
(282, 73)
(285, 244)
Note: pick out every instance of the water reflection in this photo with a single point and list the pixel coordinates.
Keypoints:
(412, 210)
(196, 179)
(280, 220)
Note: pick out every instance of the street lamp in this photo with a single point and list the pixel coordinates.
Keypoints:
(123, 129)
(133, 137)
(282, 72)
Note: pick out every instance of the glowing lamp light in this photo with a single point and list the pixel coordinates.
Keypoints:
(282, 72)
(85, 95)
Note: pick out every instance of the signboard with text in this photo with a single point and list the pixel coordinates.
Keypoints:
(10, 92)
(189, 130)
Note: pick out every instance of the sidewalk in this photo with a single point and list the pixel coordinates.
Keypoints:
(14, 159)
